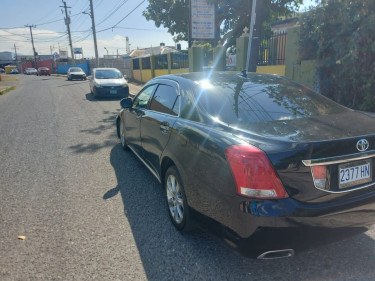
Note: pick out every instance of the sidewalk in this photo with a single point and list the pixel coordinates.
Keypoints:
(134, 87)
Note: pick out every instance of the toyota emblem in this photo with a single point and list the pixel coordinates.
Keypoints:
(362, 145)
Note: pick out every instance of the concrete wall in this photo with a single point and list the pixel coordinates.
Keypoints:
(272, 69)
(145, 75)
(181, 70)
(160, 72)
(137, 75)
(303, 72)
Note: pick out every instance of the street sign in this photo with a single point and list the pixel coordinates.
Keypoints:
(202, 19)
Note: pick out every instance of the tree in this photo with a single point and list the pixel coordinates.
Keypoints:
(231, 17)
(341, 37)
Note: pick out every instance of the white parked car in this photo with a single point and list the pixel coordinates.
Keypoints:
(76, 73)
(30, 71)
(108, 82)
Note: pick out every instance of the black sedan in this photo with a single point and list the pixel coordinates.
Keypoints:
(259, 155)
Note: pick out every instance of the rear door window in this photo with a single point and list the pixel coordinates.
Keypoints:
(164, 100)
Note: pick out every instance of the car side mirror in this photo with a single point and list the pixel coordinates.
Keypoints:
(126, 103)
(125, 76)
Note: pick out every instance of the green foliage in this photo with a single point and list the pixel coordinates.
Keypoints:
(341, 36)
(231, 16)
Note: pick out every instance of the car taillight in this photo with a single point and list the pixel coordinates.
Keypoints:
(253, 173)
(319, 174)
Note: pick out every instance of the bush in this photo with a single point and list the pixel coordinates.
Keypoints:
(341, 37)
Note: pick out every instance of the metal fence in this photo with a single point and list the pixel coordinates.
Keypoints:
(180, 60)
(161, 62)
(272, 50)
(124, 65)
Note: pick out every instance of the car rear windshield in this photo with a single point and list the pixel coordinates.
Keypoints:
(107, 74)
(75, 70)
(261, 100)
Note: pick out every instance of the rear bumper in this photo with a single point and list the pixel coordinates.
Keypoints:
(111, 92)
(289, 213)
(289, 224)
(80, 77)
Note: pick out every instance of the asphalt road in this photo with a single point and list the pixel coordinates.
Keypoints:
(91, 211)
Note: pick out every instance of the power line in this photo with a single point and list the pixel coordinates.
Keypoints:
(113, 11)
(114, 26)
(57, 20)
(141, 29)
(98, 4)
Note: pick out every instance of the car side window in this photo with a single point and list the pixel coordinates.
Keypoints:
(142, 99)
(164, 99)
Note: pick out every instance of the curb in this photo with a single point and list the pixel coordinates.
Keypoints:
(7, 89)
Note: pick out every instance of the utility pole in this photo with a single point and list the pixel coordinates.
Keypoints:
(257, 17)
(94, 33)
(32, 41)
(15, 50)
(67, 22)
(252, 22)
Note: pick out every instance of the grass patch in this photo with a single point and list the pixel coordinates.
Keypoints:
(6, 90)
(7, 78)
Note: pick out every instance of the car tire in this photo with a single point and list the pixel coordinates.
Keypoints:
(121, 134)
(177, 206)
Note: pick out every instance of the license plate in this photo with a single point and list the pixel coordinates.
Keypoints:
(354, 173)
(113, 91)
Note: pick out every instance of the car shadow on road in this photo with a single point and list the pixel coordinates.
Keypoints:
(90, 97)
(73, 83)
(167, 254)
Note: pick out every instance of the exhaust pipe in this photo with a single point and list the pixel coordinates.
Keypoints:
(278, 254)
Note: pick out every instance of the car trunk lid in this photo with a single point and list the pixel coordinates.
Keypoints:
(319, 159)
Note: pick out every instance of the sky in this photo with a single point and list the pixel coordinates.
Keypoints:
(50, 31)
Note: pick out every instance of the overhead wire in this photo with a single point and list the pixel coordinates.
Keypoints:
(117, 8)
(96, 5)
(48, 14)
(114, 26)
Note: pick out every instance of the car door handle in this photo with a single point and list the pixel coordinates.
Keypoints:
(164, 127)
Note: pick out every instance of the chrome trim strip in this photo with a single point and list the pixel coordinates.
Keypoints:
(279, 254)
(339, 159)
(147, 165)
(349, 190)
(341, 191)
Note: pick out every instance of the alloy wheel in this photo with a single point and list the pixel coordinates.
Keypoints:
(175, 199)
